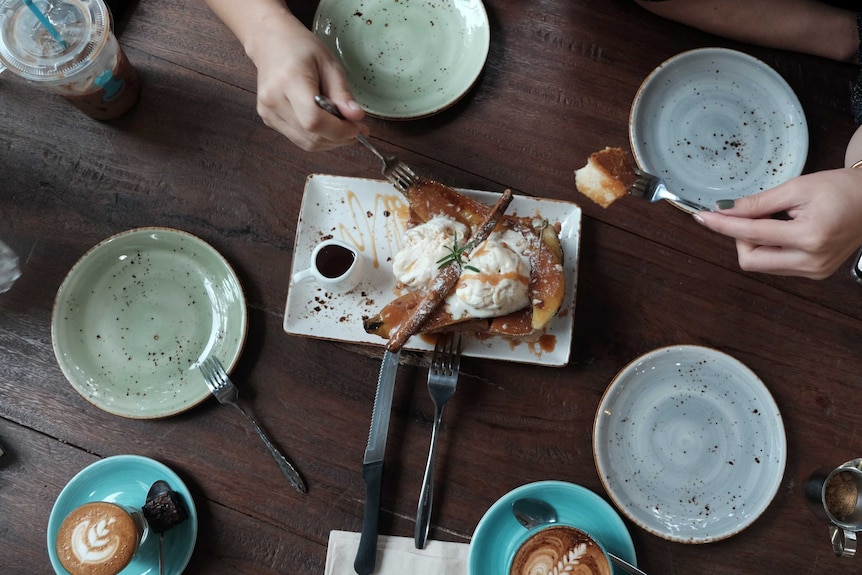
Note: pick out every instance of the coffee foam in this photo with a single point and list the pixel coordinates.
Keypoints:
(97, 539)
(560, 549)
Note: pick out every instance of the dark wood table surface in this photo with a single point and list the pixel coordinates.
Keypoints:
(193, 155)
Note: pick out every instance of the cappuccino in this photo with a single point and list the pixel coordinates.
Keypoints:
(99, 538)
(566, 549)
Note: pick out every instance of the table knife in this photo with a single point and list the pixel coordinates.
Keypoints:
(372, 464)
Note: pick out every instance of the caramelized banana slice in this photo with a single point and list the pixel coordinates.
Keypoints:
(428, 198)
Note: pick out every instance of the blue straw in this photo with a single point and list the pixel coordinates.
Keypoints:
(45, 22)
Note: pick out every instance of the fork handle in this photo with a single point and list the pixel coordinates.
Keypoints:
(326, 104)
(692, 205)
(426, 497)
(286, 466)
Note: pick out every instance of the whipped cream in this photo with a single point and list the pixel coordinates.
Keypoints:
(499, 287)
(415, 265)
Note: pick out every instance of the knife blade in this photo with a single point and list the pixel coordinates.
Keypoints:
(372, 463)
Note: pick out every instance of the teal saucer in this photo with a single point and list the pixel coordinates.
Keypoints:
(498, 534)
(126, 479)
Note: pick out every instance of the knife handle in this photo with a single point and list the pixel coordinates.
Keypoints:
(366, 555)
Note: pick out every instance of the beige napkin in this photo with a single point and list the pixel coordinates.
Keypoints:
(397, 556)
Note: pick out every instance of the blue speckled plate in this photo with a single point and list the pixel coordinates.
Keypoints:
(689, 444)
(498, 534)
(137, 314)
(718, 124)
(125, 480)
(406, 59)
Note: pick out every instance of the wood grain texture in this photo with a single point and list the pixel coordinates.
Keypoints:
(193, 155)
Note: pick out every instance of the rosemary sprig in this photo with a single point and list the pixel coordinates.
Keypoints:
(456, 254)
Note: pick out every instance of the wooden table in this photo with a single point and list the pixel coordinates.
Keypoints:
(193, 155)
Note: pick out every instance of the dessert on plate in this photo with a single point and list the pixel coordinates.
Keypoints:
(607, 176)
(467, 266)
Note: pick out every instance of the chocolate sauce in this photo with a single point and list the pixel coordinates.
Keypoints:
(333, 261)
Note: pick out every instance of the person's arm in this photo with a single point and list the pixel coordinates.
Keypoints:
(806, 26)
(293, 66)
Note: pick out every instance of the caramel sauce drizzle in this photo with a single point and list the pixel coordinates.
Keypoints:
(389, 212)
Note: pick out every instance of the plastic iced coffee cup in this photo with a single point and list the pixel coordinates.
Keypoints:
(75, 54)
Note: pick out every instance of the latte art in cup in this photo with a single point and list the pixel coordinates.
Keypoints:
(99, 538)
(557, 550)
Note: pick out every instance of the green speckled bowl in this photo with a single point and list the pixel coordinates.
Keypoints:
(406, 59)
(138, 313)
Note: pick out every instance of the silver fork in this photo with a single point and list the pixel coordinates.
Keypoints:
(442, 380)
(225, 391)
(653, 188)
(394, 170)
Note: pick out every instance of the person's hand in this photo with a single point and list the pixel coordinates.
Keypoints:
(293, 66)
(824, 229)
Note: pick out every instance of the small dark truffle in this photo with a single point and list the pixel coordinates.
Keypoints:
(165, 511)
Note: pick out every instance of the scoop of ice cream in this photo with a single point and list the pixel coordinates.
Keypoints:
(415, 265)
(495, 280)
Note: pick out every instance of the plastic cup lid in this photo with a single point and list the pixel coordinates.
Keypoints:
(29, 50)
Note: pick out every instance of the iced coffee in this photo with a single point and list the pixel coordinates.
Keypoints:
(67, 47)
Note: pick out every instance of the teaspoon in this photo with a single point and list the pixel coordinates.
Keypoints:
(157, 489)
(534, 512)
(163, 510)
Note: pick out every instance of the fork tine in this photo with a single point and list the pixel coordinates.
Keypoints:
(651, 187)
(206, 371)
(437, 354)
(404, 171)
(221, 377)
(639, 188)
(399, 174)
(217, 366)
(453, 358)
(645, 186)
(446, 358)
(213, 373)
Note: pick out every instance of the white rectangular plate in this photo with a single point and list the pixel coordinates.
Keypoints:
(372, 216)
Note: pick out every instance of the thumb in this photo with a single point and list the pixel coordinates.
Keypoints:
(334, 86)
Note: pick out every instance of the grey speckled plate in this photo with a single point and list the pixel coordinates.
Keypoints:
(718, 124)
(689, 444)
(406, 59)
(137, 314)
